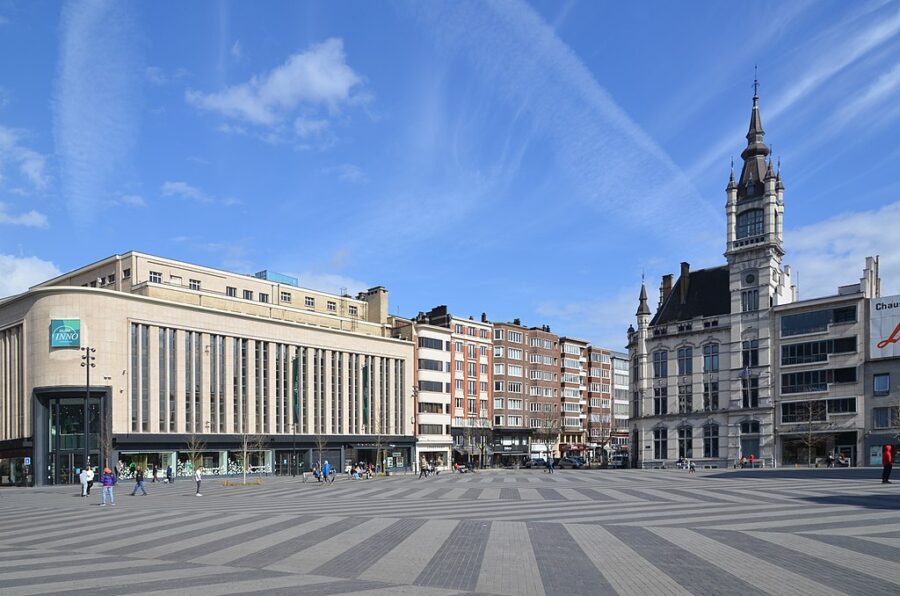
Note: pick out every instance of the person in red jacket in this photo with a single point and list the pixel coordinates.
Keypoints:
(887, 458)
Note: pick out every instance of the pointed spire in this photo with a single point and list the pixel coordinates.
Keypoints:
(754, 171)
(770, 172)
(643, 309)
(731, 183)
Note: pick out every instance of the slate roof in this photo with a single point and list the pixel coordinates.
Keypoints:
(708, 295)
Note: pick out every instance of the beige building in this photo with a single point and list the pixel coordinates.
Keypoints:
(184, 354)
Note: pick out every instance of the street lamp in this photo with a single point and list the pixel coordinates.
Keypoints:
(87, 361)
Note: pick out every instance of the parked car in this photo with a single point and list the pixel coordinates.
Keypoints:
(538, 462)
(570, 462)
(617, 461)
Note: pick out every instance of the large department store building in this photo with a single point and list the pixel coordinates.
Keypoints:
(188, 356)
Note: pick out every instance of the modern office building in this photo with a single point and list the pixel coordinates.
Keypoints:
(183, 357)
(818, 365)
(702, 364)
(881, 377)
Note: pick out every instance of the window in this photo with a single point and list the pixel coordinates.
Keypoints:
(711, 358)
(660, 401)
(430, 342)
(175, 280)
(331, 306)
(515, 354)
(498, 333)
(425, 364)
(841, 405)
(750, 353)
(353, 311)
(803, 411)
(816, 380)
(126, 273)
(685, 398)
(514, 337)
(483, 350)
(816, 321)
(194, 284)
(711, 396)
(433, 386)
(458, 365)
(750, 392)
(686, 442)
(512, 387)
(749, 300)
(309, 302)
(750, 427)
(231, 292)
(470, 369)
(498, 386)
(816, 351)
(248, 294)
(685, 364)
(155, 277)
(470, 386)
(285, 297)
(572, 349)
(111, 278)
(514, 370)
(881, 384)
(710, 440)
(499, 369)
(886, 417)
(498, 351)
(470, 331)
(749, 223)
(660, 443)
(263, 297)
(660, 364)
(498, 403)
(515, 404)
(498, 420)
(430, 429)
(430, 408)
(458, 328)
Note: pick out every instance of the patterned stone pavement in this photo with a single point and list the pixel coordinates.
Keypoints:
(521, 532)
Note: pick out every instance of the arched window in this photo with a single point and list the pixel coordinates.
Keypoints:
(750, 223)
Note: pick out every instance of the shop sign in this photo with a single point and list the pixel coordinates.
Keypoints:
(884, 327)
(65, 333)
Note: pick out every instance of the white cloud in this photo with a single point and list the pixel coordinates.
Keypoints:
(17, 274)
(237, 50)
(31, 164)
(347, 172)
(133, 200)
(306, 127)
(155, 75)
(31, 219)
(603, 322)
(319, 77)
(185, 191)
(832, 253)
(96, 101)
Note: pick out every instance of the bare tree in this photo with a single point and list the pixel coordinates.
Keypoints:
(196, 445)
(812, 414)
(378, 432)
(321, 445)
(548, 432)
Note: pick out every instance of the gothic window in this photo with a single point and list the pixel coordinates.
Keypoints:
(750, 392)
(750, 223)
(711, 358)
(660, 364)
(711, 395)
(685, 361)
(685, 398)
(750, 353)
(660, 401)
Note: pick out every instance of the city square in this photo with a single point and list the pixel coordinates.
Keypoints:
(509, 532)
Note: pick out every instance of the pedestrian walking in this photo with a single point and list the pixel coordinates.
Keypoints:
(887, 460)
(198, 477)
(549, 465)
(90, 479)
(155, 472)
(139, 482)
(82, 477)
(107, 482)
(169, 477)
(692, 469)
(326, 471)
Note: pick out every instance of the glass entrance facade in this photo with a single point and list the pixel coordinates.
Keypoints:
(73, 438)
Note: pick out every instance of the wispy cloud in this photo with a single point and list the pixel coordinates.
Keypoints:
(95, 108)
(347, 172)
(603, 321)
(133, 200)
(184, 190)
(331, 282)
(825, 57)
(17, 274)
(308, 82)
(30, 163)
(237, 50)
(158, 76)
(832, 253)
(31, 219)
(612, 163)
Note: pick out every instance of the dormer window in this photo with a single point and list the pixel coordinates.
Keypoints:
(749, 223)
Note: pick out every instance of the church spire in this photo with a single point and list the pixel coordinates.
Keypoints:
(754, 155)
(643, 309)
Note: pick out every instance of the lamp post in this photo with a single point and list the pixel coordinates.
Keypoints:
(294, 452)
(87, 361)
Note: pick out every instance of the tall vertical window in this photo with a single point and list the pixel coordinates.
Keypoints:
(750, 353)
(749, 223)
(710, 440)
(711, 395)
(660, 443)
(685, 398)
(881, 384)
(685, 361)
(163, 380)
(750, 300)
(711, 358)
(660, 364)
(135, 360)
(686, 442)
(660, 401)
(750, 392)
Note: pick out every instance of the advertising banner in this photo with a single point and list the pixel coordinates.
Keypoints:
(65, 333)
(884, 327)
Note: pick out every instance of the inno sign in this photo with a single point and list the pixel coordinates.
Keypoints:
(65, 333)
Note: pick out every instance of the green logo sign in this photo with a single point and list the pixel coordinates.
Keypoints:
(65, 333)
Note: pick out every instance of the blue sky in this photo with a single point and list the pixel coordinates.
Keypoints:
(521, 159)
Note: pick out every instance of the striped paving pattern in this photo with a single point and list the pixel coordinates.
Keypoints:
(495, 532)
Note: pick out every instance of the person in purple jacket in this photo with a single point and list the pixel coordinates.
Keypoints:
(107, 481)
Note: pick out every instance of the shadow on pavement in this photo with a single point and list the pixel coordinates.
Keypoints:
(805, 473)
(869, 502)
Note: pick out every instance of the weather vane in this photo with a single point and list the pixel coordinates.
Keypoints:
(755, 81)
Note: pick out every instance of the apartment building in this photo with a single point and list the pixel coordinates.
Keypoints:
(471, 376)
(573, 399)
(179, 354)
(432, 381)
(621, 405)
(599, 423)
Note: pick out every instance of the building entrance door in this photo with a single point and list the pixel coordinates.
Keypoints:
(73, 438)
(849, 453)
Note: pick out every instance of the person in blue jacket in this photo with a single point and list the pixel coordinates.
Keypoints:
(326, 471)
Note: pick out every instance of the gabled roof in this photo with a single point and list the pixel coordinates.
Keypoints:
(708, 295)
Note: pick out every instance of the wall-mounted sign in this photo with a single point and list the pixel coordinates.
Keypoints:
(884, 327)
(65, 333)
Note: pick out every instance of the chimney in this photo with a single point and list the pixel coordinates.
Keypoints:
(484, 317)
(685, 276)
(517, 321)
(664, 288)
